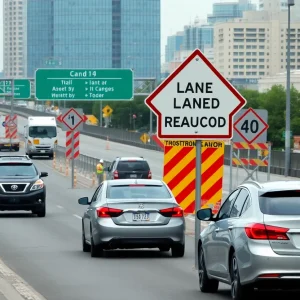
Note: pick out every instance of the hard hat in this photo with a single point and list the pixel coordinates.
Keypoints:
(101, 161)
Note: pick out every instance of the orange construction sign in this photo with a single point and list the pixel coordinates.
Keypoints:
(180, 173)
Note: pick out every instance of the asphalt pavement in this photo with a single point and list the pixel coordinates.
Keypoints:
(47, 253)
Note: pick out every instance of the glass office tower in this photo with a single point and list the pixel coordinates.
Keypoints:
(94, 34)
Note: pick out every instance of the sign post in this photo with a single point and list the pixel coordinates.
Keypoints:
(250, 134)
(72, 120)
(195, 103)
(72, 160)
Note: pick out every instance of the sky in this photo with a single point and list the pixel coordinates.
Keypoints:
(174, 15)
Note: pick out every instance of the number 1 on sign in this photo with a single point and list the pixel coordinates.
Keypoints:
(253, 126)
(72, 118)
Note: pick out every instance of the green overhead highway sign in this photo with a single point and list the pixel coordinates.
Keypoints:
(82, 84)
(22, 88)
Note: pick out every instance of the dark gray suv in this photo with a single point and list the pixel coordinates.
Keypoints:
(129, 167)
(21, 186)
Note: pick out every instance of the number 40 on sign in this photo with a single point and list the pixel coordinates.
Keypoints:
(251, 126)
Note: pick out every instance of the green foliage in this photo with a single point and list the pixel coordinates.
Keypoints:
(274, 101)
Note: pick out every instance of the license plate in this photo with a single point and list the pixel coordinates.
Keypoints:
(36, 142)
(7, 145)
(43, 151)
(141, 217)
(133, 176)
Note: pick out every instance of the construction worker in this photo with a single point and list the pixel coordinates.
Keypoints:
(100, 170)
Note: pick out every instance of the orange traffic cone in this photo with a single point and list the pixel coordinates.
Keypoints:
(93, 179)
(107, 144)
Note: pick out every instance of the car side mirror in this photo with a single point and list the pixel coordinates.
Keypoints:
(44, 174)
(83, 201)
(205, 214)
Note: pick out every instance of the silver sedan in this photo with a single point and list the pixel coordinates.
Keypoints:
(254, 240)
(132, 213)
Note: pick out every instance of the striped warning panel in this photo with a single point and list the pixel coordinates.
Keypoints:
(257, 146)
(7, 133)
(249, 162)
(180, 173)
(69, 145)
(11, 126)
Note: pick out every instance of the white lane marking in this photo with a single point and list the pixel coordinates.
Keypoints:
(78, 217)
(18, 283)
(59, 206)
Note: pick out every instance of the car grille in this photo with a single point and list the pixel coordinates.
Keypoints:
(14, 187)
(43, 147)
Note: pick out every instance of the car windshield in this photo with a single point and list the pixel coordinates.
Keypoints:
(17, 169)
(132, 165)
(138, 192)
(42, 131)
(280, 203)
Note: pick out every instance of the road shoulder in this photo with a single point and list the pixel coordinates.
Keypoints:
(13, 287)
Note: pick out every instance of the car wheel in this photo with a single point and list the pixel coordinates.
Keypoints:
(178, 250)
(206, 285)
(164, 249)
(96, 250)
(17, 149)
(238, 291)
(85, 247)
(41, 213)
(30, 156)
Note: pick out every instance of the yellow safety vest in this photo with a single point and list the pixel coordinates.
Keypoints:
(99, 169)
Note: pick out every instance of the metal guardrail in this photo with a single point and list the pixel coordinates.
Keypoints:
(133, 139)
(113, 134)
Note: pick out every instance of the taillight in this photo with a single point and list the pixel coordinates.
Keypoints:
(107, 212)
(149, 175)
(172, 212)
(266, 232)
(272, 275)
(116, 174)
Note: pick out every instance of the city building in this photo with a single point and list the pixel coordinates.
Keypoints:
(90, 34)
(273, 5)
(266, 83)
(181, 56)
(281, 5)
(226, 11)
(254, 46)
(14, 39)
(174, 43)
(198, 35)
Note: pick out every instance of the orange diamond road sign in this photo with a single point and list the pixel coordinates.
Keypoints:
(180, 173)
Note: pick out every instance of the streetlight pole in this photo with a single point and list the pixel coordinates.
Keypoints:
(288, 96)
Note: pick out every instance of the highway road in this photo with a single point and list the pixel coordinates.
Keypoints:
(97, 148)
(47, 253)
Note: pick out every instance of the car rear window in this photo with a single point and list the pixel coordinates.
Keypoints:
(138, 192)
(133, 165)
(17, 169)
(280, 203)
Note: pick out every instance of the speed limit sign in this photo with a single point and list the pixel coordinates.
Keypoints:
(251, 126)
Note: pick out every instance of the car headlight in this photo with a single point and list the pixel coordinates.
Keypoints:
(38, 185)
